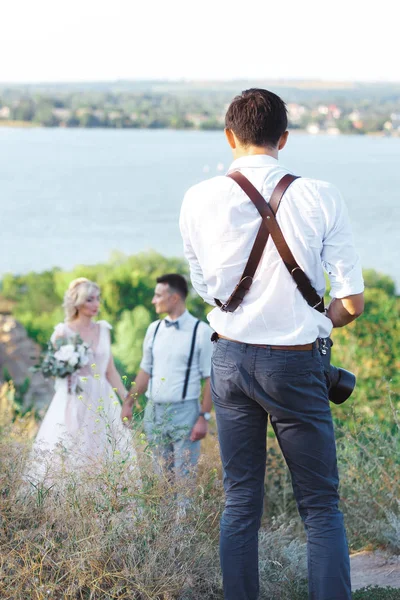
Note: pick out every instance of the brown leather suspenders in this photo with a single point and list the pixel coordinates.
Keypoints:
(269, 226)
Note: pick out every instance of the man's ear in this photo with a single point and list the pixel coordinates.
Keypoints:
(282, 140)
(230, 137)
(177, 297)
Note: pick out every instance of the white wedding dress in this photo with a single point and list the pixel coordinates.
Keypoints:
(82, 426)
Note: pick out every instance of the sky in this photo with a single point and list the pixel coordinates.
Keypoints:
(101, 40)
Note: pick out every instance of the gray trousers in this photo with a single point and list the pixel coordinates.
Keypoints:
(168, 428)
(248, 383)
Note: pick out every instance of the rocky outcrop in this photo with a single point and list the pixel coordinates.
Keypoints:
(17, 354)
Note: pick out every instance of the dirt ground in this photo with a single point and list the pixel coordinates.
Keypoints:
(375, 568)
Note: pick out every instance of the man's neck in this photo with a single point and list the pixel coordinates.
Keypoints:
(176, 313)
(241, 151)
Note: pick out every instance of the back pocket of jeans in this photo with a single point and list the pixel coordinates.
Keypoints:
(223, 368)
(219, 362)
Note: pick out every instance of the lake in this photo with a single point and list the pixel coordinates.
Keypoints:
(70, 196)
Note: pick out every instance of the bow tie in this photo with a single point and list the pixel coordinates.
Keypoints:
(171, 323)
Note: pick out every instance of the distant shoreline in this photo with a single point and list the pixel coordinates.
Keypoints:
(30, 125)
(21, 124)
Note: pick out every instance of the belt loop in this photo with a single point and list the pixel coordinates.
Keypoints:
(269, 351)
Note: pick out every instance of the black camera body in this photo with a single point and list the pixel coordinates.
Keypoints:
(340, 382)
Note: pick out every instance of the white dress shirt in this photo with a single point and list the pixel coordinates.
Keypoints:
(167, 360)
(219, 224)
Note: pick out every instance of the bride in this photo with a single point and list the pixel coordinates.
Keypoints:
(83, 422)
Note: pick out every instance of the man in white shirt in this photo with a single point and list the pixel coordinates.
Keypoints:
(266, 360)
(176, 358)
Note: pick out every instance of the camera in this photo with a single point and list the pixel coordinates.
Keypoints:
(340, 382)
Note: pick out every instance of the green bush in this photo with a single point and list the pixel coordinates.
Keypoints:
(370, 347)
(126, 282)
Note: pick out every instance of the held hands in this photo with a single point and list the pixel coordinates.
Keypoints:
(128, 404)
(127, 407)
(126, 413)
(199, 430)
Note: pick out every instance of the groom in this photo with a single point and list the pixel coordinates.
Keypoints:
(176, 359)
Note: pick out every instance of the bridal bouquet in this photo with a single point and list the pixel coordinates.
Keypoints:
(64, 357)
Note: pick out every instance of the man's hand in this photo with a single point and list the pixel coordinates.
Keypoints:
(126, 413)
(199, 430)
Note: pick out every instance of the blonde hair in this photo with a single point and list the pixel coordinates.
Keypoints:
(77, 293)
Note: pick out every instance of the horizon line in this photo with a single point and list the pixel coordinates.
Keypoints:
(195, 80)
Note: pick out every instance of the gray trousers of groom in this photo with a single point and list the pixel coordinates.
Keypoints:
(248, 383)
(168, 427)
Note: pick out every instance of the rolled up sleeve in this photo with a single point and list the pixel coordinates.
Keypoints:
(339, 257)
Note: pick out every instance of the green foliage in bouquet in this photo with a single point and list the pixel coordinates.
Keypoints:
(63, 357)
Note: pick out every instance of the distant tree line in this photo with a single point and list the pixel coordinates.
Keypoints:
(361, 109)
(120, 110)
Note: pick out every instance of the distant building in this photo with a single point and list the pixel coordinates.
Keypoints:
(334, 111)
(354, 116)
(395, 119)
(196, 118)
(295, 112)
(114, 115)
(5, 112)
(313, 129)
(81, 112)
(62, 113)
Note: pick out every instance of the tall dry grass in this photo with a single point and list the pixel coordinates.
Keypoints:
(96, 534)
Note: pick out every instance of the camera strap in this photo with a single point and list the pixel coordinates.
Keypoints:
(269, 226)
(236, 298)
(342, 383)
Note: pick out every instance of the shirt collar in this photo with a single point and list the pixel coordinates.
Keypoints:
(253, 160)
(180, 319)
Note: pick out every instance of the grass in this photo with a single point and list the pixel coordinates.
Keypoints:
(98, 535)
(369, 467)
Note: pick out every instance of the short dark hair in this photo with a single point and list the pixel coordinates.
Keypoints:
(177, 283)
(257, 117)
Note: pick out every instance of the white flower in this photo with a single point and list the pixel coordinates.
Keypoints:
(73, 361)
(65, 353)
